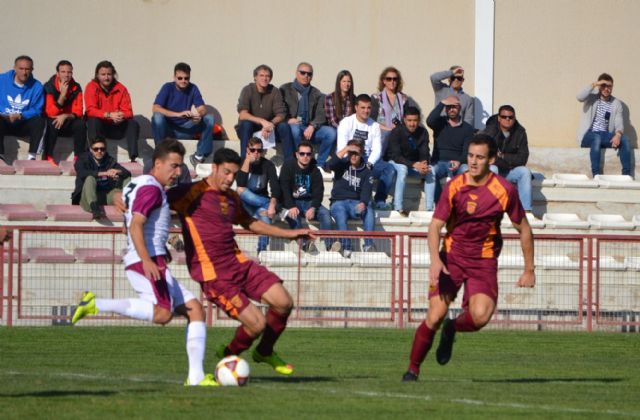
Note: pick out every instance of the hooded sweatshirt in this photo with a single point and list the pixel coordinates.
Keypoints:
(27, 100)
(350, 183)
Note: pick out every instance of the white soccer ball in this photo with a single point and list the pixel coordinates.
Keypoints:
(232, 371)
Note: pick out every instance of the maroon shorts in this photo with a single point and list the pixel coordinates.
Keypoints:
(478, 275)
(236, 283)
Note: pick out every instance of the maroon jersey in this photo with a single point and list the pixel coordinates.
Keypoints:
(473, 215)
(207, 217)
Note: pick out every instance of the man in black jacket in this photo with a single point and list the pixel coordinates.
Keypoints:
(98, 178)
(513, 151)
(408, 152)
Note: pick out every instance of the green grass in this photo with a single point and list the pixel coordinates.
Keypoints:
(123, 372)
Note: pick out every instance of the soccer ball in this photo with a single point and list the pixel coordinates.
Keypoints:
(232, 371)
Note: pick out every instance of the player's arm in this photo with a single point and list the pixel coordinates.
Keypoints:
(136, 229)
(433, 240)
(261, 228)
(528, 277)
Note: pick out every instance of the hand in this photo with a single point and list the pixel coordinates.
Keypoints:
(436, 268)
(267, 126)
(308, 132)
(59, 121)
(196, 117)
(271, 211)
(527, 279)
(184, 114)
(64, 87)
(151, 270)
(615, 141)
(303, 234)
(310, 214)
(293, 121)
(459, 71)
(294, 212)
(117, 117)
(15, 116)
(360, 207)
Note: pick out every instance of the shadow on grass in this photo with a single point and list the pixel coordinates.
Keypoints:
(547, 380)
(292, 380)
(55, 393)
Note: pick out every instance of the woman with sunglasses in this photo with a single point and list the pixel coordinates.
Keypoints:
(455, 78)
(389, 103)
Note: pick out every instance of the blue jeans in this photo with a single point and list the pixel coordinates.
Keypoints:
(163, 127)
(246, 128)
(325, 136)
(521, 177)
(322, 215)
(384, 173)
(401, 176)
(598, 140)
(256, 205)
(432, 189)
(343, 210)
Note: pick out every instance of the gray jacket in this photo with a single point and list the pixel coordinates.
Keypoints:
(589, 96)
(442, 90)
(317, 117)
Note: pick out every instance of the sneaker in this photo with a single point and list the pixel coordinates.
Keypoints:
(87, 306)
(445, 348)
(96, 210)
(383, 206)
(346, 253)
(208, 380)
(409, 377)
(310, 247)
(275, 361)
(194, 160)
(403, 213)
(369, 248)
(31, 157)
(336, 247)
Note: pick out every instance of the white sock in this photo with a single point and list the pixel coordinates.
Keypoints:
(196, 342)
(133, 308)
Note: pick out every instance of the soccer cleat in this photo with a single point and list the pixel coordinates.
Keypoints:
(87, 306)
(275, 361)
(208, 380)
(409, 377)
(445, 348)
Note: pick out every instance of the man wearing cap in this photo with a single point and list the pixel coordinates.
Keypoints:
(455, 77)
(451, 135)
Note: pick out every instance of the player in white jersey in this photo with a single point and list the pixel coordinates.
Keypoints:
(160, 295)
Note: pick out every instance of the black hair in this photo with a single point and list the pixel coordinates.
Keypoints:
(166, 147)
(481, 138)
(225, 155)
(183, 67)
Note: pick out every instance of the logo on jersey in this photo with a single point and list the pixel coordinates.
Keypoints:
(471, 207)
(16, 104)
(224, 206)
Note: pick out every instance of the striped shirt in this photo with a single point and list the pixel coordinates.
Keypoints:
(603, 114)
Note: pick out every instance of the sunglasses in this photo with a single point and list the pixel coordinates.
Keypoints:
(183, 78)
(98, 149)
(507, 117)
(606, 86)
(304, 154)
(459, 78)
(391, 79)
(256, 149)
(305, 73)
(451, 106)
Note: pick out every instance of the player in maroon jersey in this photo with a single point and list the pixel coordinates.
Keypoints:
(472, 207)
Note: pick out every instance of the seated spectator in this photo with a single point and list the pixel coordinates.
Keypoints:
(64, 110)
(408, 152)
(602, 124)
(360, 126)
(256, 177)
(261, 108)
(21, 101)
(451, 136)
(98, 178)
(302, 190)
(108, 109)
(513, 151)
(305, 113)
(179, 111)
(455, 78)
(351, 194)
(389, 102)
(339, 103)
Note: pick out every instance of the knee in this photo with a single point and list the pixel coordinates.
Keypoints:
(256, 325)
(90, 181)
(158, 119)
(161, 316)
(195, 311)
(434, 319)
(480, 315)
(209, 120)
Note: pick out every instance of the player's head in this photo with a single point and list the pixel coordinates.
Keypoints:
(167, 161)
(226, 164)
(481, 154)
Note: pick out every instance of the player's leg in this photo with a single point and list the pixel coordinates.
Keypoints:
(253, 323)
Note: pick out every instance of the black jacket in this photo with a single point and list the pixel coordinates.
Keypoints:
(266, 171)
(86, 166)
(301, 184)
(450, 143)
(402, 151)
(515, 149)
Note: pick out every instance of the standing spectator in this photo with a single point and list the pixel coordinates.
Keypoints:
(408, 152)
(256, 177)
(305, 113)
(179, 111)
(21, 101)
(64, 110)
(108, 108)
(302, 192)
(260, 107)
(389, 102)
(513, 152)
(601, 123)
(455, 77)
(351, 194)
(339, 103)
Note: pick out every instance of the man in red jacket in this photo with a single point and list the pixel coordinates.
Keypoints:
(63, 108)
(108, 108)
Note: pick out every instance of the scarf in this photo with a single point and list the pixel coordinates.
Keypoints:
(387, 110)
(303, 102)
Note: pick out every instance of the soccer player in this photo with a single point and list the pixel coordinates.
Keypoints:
(472, 207)
(160, 294)
(208, 209)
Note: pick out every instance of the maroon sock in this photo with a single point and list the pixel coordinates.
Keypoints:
(464, 323)
(276, 323)
(422, 342)
(241, 341)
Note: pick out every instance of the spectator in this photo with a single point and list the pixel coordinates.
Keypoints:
(98, 178)
(179, 111)
(21, 101)
(256, 177)
(360, 126)
(451, 136)
(305, 113)
(513, 151)
(64, 110)
(351, 194)
(261, 108)
(302, 192)
(601, 124)
(108, 109)
(455, 77)
(339, 103)
(389, 103)
(408, 152)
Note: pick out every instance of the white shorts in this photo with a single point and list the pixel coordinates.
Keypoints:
(168, 293)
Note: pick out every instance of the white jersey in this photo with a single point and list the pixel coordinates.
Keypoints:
(145, 195)
(368, 132)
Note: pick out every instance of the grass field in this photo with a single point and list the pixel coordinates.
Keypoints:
(138, 372)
